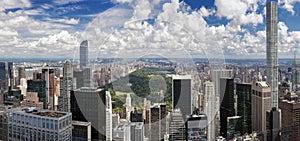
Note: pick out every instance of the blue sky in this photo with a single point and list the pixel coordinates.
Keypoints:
(54, 28)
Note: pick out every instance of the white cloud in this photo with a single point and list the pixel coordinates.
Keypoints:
(18, 31)
(8, 33)
(70, 21)
(63, 2)
(122, 1)
(288, 5)
(122, 32)
(241, 12)
(9, 4)
(206, 12)
(230, 9)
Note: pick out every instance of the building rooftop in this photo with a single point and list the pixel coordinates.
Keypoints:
(81, 123)
(39, 112)
(138, 125)
(262, 84)
(88, 89)
(181, 77)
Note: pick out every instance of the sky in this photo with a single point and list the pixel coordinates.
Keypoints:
(138, 28)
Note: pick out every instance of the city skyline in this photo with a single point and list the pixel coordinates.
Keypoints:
(54, 29)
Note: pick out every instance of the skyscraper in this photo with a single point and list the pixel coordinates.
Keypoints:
(272, 68)
(89, 105)
(216, 74)
(83, 54)
(38, 86)
(261, 102)
(233, 127)
(272, 50)
(181, 94)
(81, 131)
(227, 103)
(157, 124)
(48, 74)
(196, 128)
(243, 91)
(67, 85)
(128, 107)
(137, 131)
(210, 109)
(21, 74)
(108, 116)
(6, 76)
(81, 78)
(177, 126)
(291, 115)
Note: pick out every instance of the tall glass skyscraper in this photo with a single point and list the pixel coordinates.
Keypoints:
(272, 49)
(83, 54)
(182, 94)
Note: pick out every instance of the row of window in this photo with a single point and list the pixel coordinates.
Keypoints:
(53, 124)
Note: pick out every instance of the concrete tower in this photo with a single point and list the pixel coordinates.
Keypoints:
(272, 50)
(83, 54)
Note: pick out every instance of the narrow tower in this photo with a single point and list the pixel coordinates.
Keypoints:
(83, 54)
(274, 115)
(272, 50)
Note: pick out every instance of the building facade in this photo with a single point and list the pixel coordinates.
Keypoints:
(177, 126)
(261, 102)
(196, 128)
(227, 103)
(272, 49)
(89, 105)
(35, 125)
(83, 54)
(210, 109)
(182, 94)
(38, 86)
(32, 100)
(243, 92)
(290, 118)
(81, 131)
(66, 85)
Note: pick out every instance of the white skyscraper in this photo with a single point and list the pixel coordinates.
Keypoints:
(128, 107)
(272, 49)
(108, 117)
(67, 85)
(210, 109)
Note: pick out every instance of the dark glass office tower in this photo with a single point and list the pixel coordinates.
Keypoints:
(89, 105)
(181, 94)
(243, 92)
(227, 103)
(38, 86)
(6, 76)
